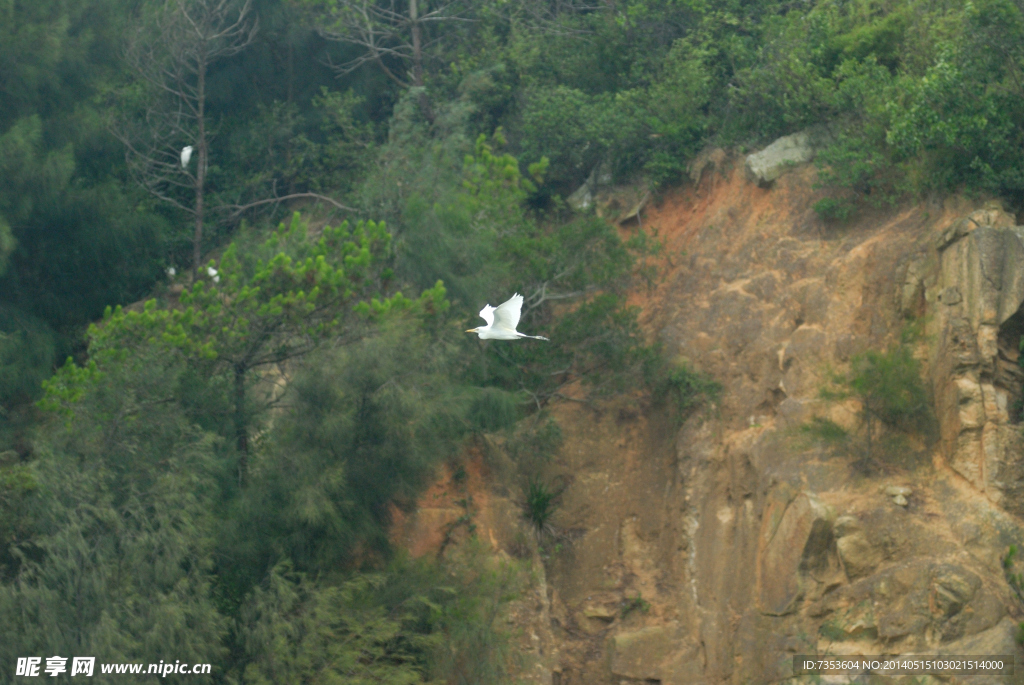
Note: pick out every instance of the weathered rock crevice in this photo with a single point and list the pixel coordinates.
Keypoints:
(977, 382)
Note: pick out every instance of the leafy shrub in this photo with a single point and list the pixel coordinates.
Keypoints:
(835, 439)
(655, 128)
(787, 87)
(891, 393)
(493, 409)
(889, 385)
(631, 604)
(685, 387)
(541, 502)
(533, 444)
(826, 430)
(833, 209)
(565, 125)
(674, 109)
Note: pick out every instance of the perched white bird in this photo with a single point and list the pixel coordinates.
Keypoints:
(171, 271)
(213, 274)
(502, 321)
(186, 154)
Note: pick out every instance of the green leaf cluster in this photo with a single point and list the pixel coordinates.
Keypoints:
(892, 398)
(686, 387)
(540, 501)
(257, 308)
(889, 384)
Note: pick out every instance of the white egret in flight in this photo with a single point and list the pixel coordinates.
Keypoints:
(186, 154)
(502, 321)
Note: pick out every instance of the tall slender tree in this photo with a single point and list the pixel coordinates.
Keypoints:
(171, 51)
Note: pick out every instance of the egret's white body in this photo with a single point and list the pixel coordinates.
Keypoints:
(186, 154)
(502, 321)
(213, 274)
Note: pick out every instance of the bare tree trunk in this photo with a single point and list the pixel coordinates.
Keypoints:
(172, 53)
(291, 69)
(417, 44)
(241, 429)
(197, 239)
(417, 58)
(869, 451)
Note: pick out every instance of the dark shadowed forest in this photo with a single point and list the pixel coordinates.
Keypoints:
(222, 377)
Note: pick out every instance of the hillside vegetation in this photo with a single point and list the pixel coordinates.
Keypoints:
(211, 475)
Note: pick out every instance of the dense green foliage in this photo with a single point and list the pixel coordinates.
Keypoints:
(212, 474)
(917, 96)
(540, 503)
(893, 405)
(175, 492)
(685, 387)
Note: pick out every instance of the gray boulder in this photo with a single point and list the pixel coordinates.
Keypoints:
(767, 165)
(583, 197)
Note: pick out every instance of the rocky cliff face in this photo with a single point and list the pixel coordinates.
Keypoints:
(715, 551)
(975, 292)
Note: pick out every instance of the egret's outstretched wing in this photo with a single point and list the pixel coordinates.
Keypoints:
(507, 314)
(487, 314)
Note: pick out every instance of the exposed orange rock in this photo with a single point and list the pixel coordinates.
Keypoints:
(714, 551)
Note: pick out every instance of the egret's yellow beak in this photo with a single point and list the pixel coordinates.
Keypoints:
(471, 330)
